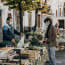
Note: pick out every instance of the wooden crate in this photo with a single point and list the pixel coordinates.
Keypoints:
(25, 62)
(33, 54)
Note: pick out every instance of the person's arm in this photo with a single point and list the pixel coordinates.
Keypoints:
(16, 32)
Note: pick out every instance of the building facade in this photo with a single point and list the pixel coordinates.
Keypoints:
(28, 19)
(58, 10)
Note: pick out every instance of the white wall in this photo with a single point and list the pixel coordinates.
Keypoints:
(56, 5)
(5, 12)
(26, 19)
(33, 18)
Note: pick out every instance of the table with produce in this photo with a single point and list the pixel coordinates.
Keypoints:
(33, 52)
(61, 40)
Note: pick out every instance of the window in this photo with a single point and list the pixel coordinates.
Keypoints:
(38, 21)
(18, 23)
(56, 13)
(64, 8)
(61, 23)
(60, 11)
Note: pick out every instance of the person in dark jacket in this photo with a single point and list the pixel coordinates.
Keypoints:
(50, 38)
(9, 33)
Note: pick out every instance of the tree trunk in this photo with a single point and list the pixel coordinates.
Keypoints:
(21, 17)
(21, 25)
(35, 19)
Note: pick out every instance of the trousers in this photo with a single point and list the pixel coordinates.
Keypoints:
(51, 55)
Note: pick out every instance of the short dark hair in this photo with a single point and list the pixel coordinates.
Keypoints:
(8, 18)
(48, 19)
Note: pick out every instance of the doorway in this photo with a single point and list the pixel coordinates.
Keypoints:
(61, 24)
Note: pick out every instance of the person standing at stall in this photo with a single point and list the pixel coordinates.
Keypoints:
(50, 39)
(9, 33)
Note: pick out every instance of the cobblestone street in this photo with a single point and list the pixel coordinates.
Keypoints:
(60, 57)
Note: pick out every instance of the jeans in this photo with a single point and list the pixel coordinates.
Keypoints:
(51, 54)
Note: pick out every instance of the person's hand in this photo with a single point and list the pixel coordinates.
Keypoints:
(45, 40)
(22, 34)
(14, 42)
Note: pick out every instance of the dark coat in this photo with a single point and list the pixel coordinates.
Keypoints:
(52, 36)
(9, 33)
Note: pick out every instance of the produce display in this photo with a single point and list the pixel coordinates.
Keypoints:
(12, 55)
(61, 40)
(61, 37)
(35, 41)
(33, 52)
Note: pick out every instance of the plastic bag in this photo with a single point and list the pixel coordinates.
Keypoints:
(21, 43)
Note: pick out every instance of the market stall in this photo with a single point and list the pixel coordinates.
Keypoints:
(33, 52)
(61, 40)
(32, 57)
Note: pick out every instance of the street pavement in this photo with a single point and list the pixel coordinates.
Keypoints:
(60, 57)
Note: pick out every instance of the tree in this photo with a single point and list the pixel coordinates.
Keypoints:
(21, 6)
(44, 9)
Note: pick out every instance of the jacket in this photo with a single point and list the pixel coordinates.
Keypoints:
(9, 33)
(52, 36)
